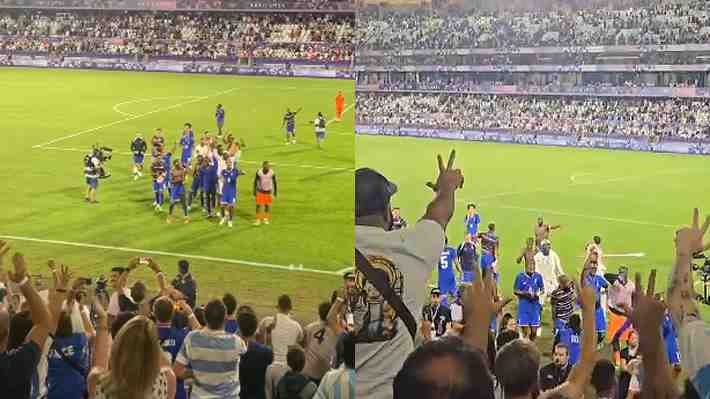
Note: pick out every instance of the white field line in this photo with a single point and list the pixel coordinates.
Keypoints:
(584, 216)
(290, 165)
(631, 255)
(347, 269)
(143, 100)
(93, 129)
(296, 268)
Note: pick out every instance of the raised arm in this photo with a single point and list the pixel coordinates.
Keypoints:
(442, 207)
(101, 350)
(479, 306)
(159, 275)
(336, 309)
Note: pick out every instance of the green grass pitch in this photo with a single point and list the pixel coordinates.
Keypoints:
(634, 201)
(65, 112)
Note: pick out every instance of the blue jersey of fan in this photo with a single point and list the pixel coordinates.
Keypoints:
(569, 337)
(447, 276)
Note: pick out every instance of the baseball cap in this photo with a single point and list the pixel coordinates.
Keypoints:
(372, 192)
(545, 242)
(435, 291)
(349, 276)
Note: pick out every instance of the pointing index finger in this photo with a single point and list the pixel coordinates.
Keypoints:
(651, 289)
(696, 218)
(452, 157)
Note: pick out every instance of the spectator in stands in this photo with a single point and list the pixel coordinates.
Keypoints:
(321, 337)
(604, 379)
(295, 385)
(281, 331)
(230, 325)
(555, 373)
(408, 253)
(253, 364)
(185, 283)
(17, 365)
(340, 383)
(137, 366)
(627, 355)
(203, 347)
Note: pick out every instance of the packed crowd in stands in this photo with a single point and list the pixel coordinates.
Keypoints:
(296, 36)
(662, 22)
(186, 4)
(426, 349)
(118, 339)
(678, 118)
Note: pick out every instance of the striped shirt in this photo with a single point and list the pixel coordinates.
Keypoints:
(337, 384)
(563, 303)
(213, 357)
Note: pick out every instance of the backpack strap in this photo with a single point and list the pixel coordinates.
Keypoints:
(379, 280)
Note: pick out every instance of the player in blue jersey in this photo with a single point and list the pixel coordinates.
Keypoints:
(210, 179)
(670, 338)
(472, 220)
(167, 158)
(219, 118)
(289, 121)
(570, 335)
(138, 148)
(527, 287)
(92, 167)
(599, 284)
(177, 194)
(468, 258)
(187, 142)
(229, 193)
(196, 184)
(490, 247)
(447, 275)
(157, 170)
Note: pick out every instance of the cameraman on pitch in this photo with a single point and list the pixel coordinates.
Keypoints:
(92, 169)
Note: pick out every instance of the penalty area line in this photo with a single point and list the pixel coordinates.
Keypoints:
(295, 268)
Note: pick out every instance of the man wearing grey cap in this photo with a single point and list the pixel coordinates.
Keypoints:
(407, 258)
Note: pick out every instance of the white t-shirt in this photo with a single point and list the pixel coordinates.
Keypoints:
(408, 257)
(693, 338)
(286, 333)
(113, 307)
(550, 267)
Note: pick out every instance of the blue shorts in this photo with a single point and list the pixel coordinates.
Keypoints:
(138, 159)
(228, 198)
(196, 185)
(177, 192)
(185, 159)
(467, 277)
(320, 135)
(220, 122)
(448, 286)
(600, 319)
(290, 129)
(158, 187)
(487, 260)
(529, 314)
(92, 182)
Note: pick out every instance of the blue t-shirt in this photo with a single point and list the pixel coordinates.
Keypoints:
(567, 336)
(64, 381)
(598, 283)
(219, 114)
(532, 284)
(231, 326)
(171, 340)
(489, 243)
(472, 223)
(230, 180)
(187, 142)
(446, 268)
(671, 339)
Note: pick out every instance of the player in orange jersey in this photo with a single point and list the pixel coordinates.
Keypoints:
(339, 106)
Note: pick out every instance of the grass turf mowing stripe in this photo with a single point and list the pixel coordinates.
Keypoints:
(297, 268)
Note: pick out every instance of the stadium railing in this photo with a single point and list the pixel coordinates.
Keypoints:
(558, 139)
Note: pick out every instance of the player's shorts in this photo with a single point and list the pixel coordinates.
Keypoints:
(228, 198)
(138, 159)
(615, 323)
(208, 186)
(158, 187)
(263, 198)
(92, 182)
(196, 184)
(487, 260)
(186, 159)
(673, 354)
(220, 122)
(448, 286)
(320, 135)
(600, 319)
(529, 315)
(290, 129)
(177, 192)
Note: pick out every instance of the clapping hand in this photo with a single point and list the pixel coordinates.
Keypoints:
(449, 178)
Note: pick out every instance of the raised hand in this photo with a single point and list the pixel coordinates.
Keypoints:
(479, 306)
(689, 240)
(648, 312)
(449, 178)
(62, 278)
(20, 272)
(587, 295)
(4, 249)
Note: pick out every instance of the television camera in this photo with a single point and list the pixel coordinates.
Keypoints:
(703, 271)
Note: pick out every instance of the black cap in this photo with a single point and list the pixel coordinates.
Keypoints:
(349, 276)
(372, 192)
(435, 291)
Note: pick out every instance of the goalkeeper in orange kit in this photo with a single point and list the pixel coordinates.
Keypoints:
(339, 106)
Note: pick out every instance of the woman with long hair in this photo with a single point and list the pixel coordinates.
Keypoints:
(137, 368)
